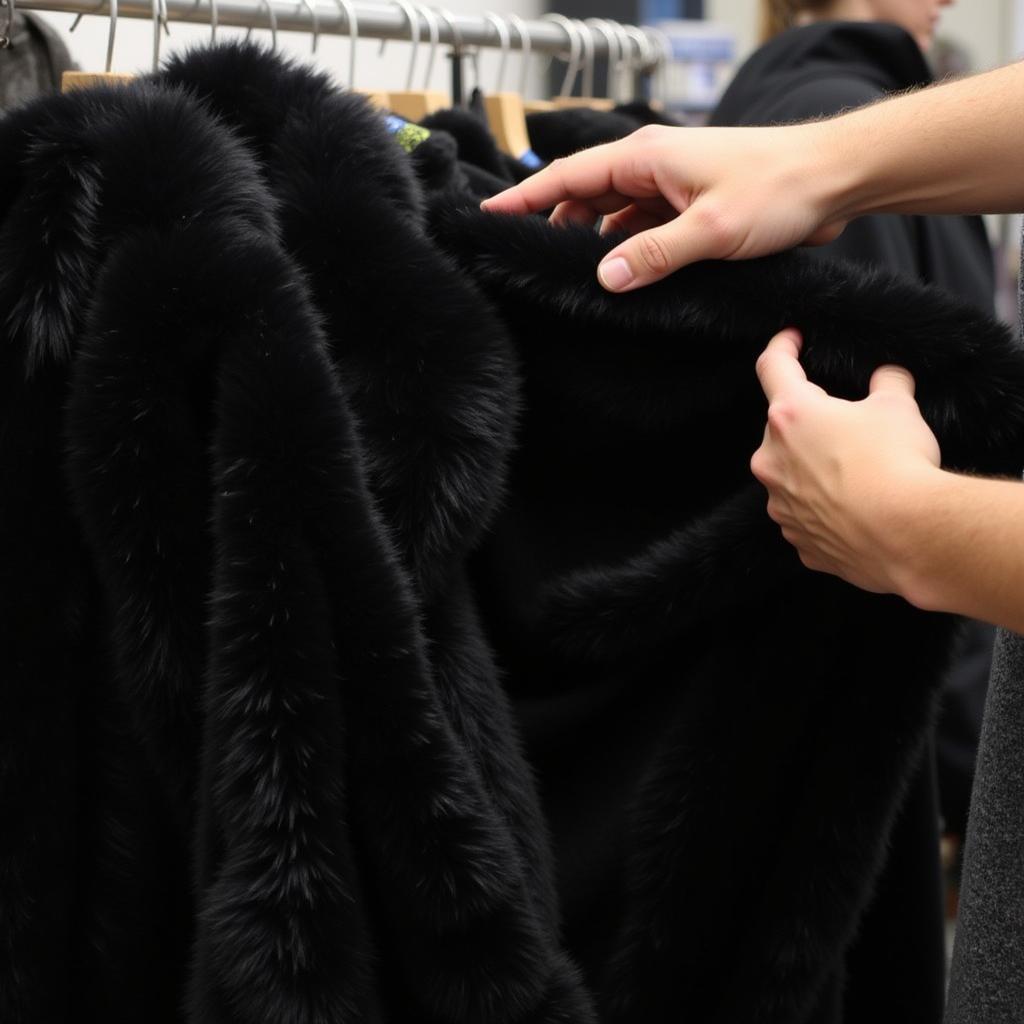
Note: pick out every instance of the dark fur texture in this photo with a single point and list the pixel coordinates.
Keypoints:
(257, 759)
(638, 550)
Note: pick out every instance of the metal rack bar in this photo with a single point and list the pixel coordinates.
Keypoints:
(375, 20)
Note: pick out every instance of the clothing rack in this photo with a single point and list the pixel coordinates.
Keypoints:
(556, 36)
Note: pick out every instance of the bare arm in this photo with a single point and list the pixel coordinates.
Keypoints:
(686, 194)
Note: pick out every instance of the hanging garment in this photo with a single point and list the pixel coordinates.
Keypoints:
(317, 519)
(758, 778)
(557, 133)
(34, 62)
(206, 678)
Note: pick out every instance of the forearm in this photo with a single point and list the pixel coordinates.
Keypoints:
(961, 540)
(953, 148)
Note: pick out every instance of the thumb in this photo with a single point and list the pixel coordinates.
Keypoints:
(894, 379)
(653, 254)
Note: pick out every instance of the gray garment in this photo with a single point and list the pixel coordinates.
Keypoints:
(987, 979)
(33, 64)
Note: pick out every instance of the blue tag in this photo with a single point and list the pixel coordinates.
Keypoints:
(531, 160)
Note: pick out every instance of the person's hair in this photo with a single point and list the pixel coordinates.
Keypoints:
(778, 15)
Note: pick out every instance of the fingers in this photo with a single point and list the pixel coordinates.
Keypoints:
(573, 211)
(586, 211)
(778, 366)
(582, 176)
(894, 379)
(652, 254)
(639, 216)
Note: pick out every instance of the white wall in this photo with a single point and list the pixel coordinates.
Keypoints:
(133, 49)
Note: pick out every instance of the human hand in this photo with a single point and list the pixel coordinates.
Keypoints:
(687, 194)
(847, 481)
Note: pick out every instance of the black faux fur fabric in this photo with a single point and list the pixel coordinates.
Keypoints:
(637, 552)
(295, 496)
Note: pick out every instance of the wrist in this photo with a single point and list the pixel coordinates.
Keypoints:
(838, 180)
(915, 545)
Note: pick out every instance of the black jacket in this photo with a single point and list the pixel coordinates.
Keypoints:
(309, 480)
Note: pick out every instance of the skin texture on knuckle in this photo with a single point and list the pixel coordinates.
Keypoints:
(764, 470)
(652, 255)
(781, 414)
(649, 134)
(715, 227)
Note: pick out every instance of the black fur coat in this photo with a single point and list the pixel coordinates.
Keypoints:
(318, 492)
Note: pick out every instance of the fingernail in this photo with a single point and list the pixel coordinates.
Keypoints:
(615, 274)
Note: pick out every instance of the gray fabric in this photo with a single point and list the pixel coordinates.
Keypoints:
(33, 64)
(987, 978)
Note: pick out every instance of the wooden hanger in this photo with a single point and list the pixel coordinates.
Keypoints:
(70, 81)
(416, 104)
(506, 117)
(589, 102)
(506, 111)
(377, 98)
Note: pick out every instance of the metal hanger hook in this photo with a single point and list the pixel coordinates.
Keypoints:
(159, 22)
(575, 49)
(526, 45)
(505, 38)
(587, 38)
(621, 68)
(310, 6)
(449, 20)
(111, 33)
(273, 23)
(614, 49)
(412, 15)
(434, 31)
(646, 58)
(352, 24)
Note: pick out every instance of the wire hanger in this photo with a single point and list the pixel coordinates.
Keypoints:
(412, 17)
(160, 22)
(506, 114)
(72, 80)
(455, 55)
(315, 18)
(614, 41)
(526, 46)
(415, 104)
(541, 106)
(347, 8)
(585, 74)
(646, 59)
